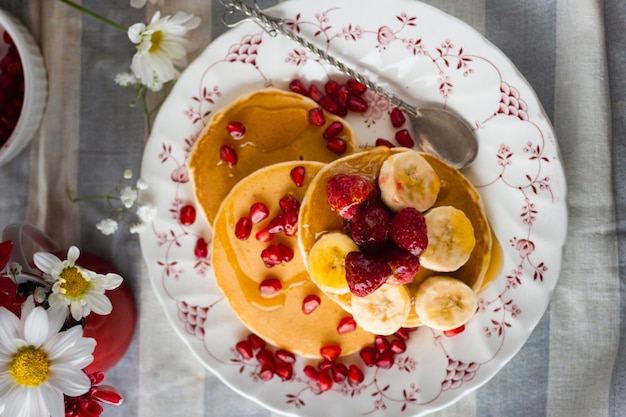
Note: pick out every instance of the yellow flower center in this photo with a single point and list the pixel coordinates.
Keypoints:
(30, 366)
(156, 39)
(74, 283)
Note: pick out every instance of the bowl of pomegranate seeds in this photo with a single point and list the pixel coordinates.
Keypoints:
(23, 87)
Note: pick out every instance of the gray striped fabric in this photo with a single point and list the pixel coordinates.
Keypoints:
(571, 51)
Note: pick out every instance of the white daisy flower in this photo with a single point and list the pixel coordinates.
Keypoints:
(107, 226)
(38, 364)
(161, 46)
(79, 288)
(128, 196)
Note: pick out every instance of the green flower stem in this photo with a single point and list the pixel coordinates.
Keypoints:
(95, 15)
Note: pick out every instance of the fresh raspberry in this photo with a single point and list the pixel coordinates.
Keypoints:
(403, 265)
(370, 225)
(346, 192)
(408, 231)
(365, 273)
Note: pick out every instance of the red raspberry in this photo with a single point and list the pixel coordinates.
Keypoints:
(370, 226)
(408, 231)
(403, 265)
(346, 192)
(365, 273)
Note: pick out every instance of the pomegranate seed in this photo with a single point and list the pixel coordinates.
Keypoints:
(284, 371)
(297, 175)
(258, 212)
(201, 250)
(311, 373)
(331, 88)
(244, 348)
(385, 360)
(404, 138)
(315, 93)
(236, 130)
(454, 332)
(333, 130)
(256, 342)
(337, 146)
(316, 117)
(357, 104)
(325, 380)
(402, 333)
(264, 235)
(397, 117)
(381, 343)
(346, 325)
(228, 155)
(356, 87)
(384, 142)
(339, 372)
(329, 104)
(291, 222)
(343, 95)
(286, 356)
(368, 354)
(243, 228)
(265, 357)
(286, 252)
(289, 203)
(310, 303)
(397, 346)
(267, 372)
(325, 364)
(270, 286)
(355, 374)
(271, 256)
(277, 224)
(298, 87)
(187, 215)
(330, 352)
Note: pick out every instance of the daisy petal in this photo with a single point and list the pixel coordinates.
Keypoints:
(99, 303)
(45, 261)
(36, 327)
(72, 382)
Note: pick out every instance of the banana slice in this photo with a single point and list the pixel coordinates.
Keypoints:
(407, 180)
(444, 303)
(326, 262)
(450, 239)
(384, 311)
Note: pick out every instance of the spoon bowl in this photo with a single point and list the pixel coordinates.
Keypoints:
(437, 131)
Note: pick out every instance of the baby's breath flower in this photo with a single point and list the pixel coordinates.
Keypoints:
(128, 174)
(137, 227)
(125, 79)
(140, 3)
(142, 184)
(128, 196)
(146, 213)
(107, 226)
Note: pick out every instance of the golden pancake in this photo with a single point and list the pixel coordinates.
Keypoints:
(317, 218)
(277, 129)
(240, 269)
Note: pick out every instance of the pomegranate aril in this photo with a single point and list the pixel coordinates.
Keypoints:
(346, 325)
(228, 155)
(343, 95)
(316, 117)
(333, 130)
(357, 104)
(270, 286)
(397, 346)
(325, 380)
(402, 333)
(356, 87)
(297, 175)
(271, 256)
(310, 303)
(256, 342)
(368, 354)
(403, 137)
(201, 250)
(331, 88)
(315, 93)
(381, 343)
(284, 371)
(264, 235)
(325, 364)
(337, 146)
(385, 360)
(291, 222)
(330, 352)
(277, 224)
(267, 372)
(289, 203)
(187, 215)
(454, 332)
(285, 356)
(384, 142)
(258, 212)
(311, 372)
(243, 228)
(397, 117)
(236, 130)
(329, 104)
(298, 86)
(244, 348)
(355, 375)
(265, 357)
(339, 372)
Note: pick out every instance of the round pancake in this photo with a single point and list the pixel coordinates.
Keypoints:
(239, 269)
(317, 218)
(277, 129)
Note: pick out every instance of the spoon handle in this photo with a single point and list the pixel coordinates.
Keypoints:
(273, 24)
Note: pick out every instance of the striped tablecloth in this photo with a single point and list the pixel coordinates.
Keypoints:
(572, 52)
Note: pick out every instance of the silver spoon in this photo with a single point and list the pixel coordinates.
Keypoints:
(437, 131)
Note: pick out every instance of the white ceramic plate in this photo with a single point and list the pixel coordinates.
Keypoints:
(431, 59)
